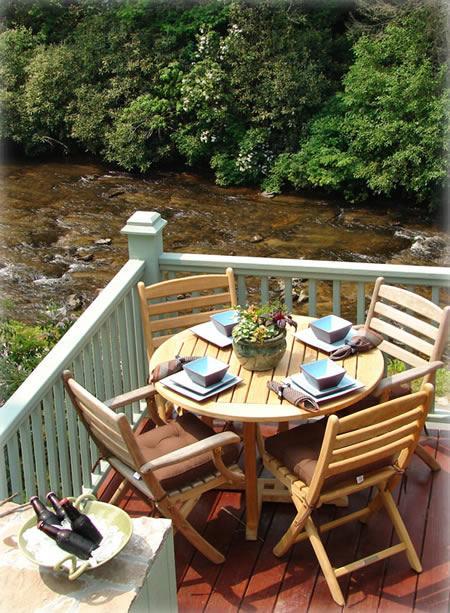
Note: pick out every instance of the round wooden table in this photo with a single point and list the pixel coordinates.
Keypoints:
(251, 402)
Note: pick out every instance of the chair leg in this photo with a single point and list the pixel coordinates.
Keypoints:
(324, 562)
(400, 529)
(289, 537)
(426, 457)
(156, 410)
(119, 491)
(190, 533)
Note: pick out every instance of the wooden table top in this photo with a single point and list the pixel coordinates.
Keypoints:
(251, 400)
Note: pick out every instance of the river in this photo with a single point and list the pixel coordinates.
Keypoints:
(53, 214)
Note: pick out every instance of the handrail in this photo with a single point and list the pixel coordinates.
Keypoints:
(318, 269)
(22, 402)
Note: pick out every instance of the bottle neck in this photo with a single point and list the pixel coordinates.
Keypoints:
(53, 499)
(71, 511)
(49, 529)
(37, 505)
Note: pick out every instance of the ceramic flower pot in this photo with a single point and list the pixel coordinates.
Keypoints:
(260, 356)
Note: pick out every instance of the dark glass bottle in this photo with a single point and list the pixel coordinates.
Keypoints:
(68, 540)
(54, 501)
(81, 523)
(43, 514)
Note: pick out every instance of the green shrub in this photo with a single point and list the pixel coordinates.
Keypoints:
(387, 132)
(22, 347)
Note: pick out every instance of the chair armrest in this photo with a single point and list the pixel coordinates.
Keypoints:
(405, 377)
(148, 391)
(192, 450)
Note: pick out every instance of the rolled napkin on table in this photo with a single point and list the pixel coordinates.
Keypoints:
(295, 397)
(165, 369)
(365, 341)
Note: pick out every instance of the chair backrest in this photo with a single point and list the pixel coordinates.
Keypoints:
(111, 431)
(170, 306)
(372, 439)
(415, 330)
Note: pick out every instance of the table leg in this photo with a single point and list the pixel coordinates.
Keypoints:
(251, 481)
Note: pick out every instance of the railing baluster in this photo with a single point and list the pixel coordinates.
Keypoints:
(288, 293)
(26, 453)
(241, 290)
(39, 452)
(360, 303)
(105, 343)
(73, 435)
(61, 430)
(88, 450)
(4, 490)
(131, 338)
(15, 464)
(435, 294)
(124, 353)
(336, 297)
(264, 289)
(312, 298)
(98, 368)
(50, 437)
(115, 359)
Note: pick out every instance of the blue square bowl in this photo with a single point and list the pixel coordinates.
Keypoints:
(323, 373)
(331, 328)
(225, 321)
(206, 371)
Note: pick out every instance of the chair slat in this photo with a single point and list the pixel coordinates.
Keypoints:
(361, 461)
(184, 321)
(411, 301)
(376, 442)
(401, 336)
(401, 354)
(186, 285)
(377, 429)
(187, 304)
(93, 418)
(119, 450)
(382, 412)
(422, 327)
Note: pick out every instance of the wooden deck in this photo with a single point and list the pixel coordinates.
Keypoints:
(253, 579)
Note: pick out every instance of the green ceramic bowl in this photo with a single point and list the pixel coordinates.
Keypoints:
(90, 505)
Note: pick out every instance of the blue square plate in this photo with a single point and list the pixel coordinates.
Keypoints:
(189, 393)
(308, 337)
(210, 333)
(300, 382)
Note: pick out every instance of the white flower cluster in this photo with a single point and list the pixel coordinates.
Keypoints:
(206, 136)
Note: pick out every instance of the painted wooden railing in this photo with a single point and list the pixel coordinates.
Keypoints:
(42, 444)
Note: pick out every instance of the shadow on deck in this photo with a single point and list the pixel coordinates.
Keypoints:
(253, 579)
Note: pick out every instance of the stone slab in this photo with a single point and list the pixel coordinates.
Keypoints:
(27, 587)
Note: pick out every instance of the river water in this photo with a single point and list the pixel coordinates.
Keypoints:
(53, 214)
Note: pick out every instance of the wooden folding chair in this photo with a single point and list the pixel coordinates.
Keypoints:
(415, 331)
(170, 306)
(321, 462)
(170, 466)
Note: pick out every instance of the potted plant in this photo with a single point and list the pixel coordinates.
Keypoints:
(259, 338)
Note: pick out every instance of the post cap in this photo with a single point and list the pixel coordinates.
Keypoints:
(144, 223)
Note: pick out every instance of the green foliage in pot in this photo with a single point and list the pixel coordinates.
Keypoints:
(260, 323)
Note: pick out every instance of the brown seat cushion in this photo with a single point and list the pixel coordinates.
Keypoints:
(185, 430)
(298, 449)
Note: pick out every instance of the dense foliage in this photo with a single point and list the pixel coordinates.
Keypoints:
(22, 347)
(348, 97)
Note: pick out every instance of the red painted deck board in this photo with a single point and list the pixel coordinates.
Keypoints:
(253, 579)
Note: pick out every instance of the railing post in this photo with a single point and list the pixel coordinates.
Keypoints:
(145, 241)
